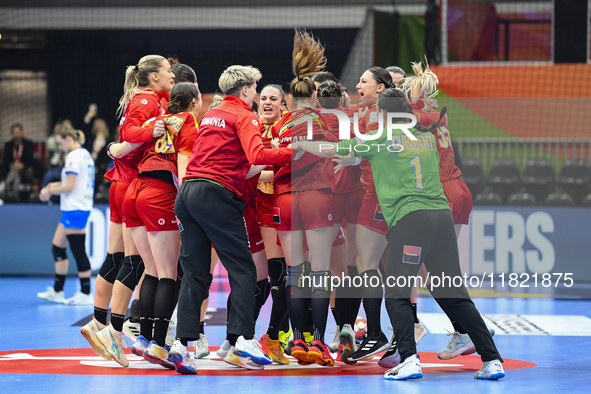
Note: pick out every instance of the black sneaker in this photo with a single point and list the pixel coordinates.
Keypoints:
(370, 347)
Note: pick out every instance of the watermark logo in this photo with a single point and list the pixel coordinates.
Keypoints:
(345, 125)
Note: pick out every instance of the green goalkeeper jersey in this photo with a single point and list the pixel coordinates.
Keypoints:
(405, 172)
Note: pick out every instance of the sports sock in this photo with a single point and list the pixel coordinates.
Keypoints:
(147, 296)
(414, 312)
(58, 282)
(100, 315)
(163, 308)
(85, 285)
(117, 321)
(372, 303)
(320, 305)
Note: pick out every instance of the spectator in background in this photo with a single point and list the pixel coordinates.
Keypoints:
(56, 157)
(97, 146)
(17, 163)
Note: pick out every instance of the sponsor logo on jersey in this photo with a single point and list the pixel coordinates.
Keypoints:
(144, 101)
(411, 254)
(378, 214)
(255, 122)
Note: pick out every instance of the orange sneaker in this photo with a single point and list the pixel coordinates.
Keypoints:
(273, 348)
(320, 354)
(299, 351)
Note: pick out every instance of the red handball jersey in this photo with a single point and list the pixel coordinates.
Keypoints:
(179, 138)
(447, 161)
(228, 142)
(267, 136)
(348, 179)
(368, 121)
(309, 171)
(143, 106)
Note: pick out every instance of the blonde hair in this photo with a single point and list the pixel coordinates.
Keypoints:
(137, 77)
(217, 100)
(235, 77)
(307, 59)
(422, 84)
(77, 135)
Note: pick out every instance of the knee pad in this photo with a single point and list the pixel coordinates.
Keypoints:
(277, 272)
(262, 292)
(132, 269)
(111, 266)
(352, 270)
(79, 251)
(58, 253)
(321, 280)
(296, 275)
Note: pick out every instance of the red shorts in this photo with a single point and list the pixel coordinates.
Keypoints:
(256, 242)
(265, 209)
(116, 196)
(250, 217)
(348, 205)
(150, 202)
(305, 210)
(459, 198)
(371, 216)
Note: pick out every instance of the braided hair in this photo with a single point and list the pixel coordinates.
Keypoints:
(181, 96)
(329, 94)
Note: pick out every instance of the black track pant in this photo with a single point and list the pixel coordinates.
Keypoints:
(209, 213)
(432, 232)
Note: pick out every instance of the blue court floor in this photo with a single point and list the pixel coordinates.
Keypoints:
(554, 334)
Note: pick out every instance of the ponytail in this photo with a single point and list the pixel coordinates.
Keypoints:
(137, 77)
(307, 59)
(422, 84)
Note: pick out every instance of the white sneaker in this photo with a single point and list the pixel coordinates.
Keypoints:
(171, 333)
(131, 331)
(51, 295)
(409, 369)
(80, 299)
(460, 344)
(223, 350)
(244, 362)
(491, 370)
(183, 360)
(347, 339)
(89, 332)
(112, 341)
(420, 332)
(251, 348)
(201, 346)
(336, 341)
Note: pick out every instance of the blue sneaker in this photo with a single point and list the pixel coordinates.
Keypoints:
(409, 369)
(183, 360)
(158, 355)
(139, 346)
(491, 370)
(251, 348)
